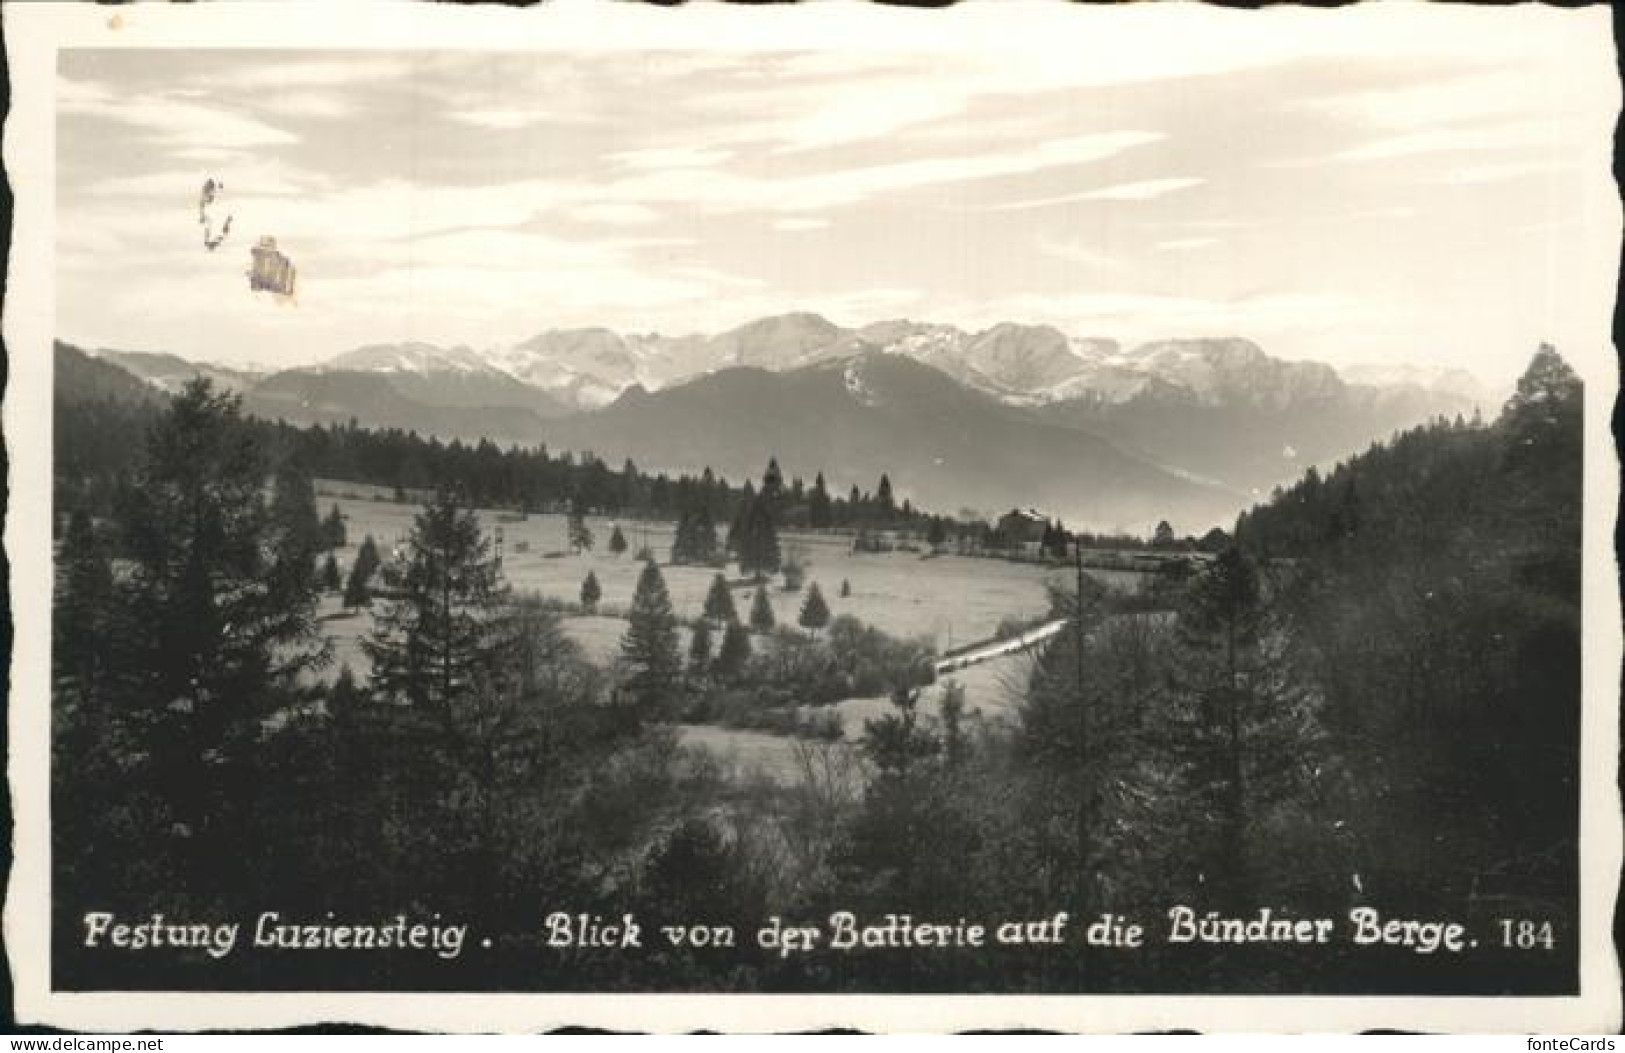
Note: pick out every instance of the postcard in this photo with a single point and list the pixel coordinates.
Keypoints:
(1087, 518)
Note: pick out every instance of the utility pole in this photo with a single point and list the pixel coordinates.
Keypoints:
(1085, 782)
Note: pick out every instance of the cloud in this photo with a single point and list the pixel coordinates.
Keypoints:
(1142, 191)
(170, 118)
(664, 157)
(241, 175)
(828, 96)
(1545, 135)
(616, 213)
(1498, 172)
(356, 68)
(855, 184)
(1185, 244)
(511, 118)
(320, 104)
(1077, 252)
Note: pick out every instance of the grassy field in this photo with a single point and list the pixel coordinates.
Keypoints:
(947, 600)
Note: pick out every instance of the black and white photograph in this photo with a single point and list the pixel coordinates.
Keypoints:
(833, 502)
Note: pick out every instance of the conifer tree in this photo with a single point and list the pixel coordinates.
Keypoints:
(682, 538)
(580, 534)
(703, 537)
(331, 581)
(814, 611)
(818, 507)
(761, 612)
(300, 536)
(591, 592)
(772, 481)
(219, 617)
(333, 532)
(356, 590)
(735, 651)
(83, 603)
(1244, 713)
(367, 556)
(650, 646)
(358, 587)
(449, 625)
(883, 498)
(617, 541)
(719, 603)
(699, 649)
(736, 526)
(345, 695)
(759, 541)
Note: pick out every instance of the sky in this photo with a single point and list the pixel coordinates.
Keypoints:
(1379, 184)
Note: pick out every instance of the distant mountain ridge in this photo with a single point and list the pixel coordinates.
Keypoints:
(1026, 365)
(1018, 364)
(1219, 414)
(944, 445)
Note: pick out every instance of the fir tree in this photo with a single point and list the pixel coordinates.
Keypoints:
(345, 696)
(761, 612)
(617, 541)
(699, 649)
(703, 537)
(719, 603)
(772, 481)
(580, 534)
(591, 592)
(367, 556)
(83, 603)
(1244, 714)
(650, 647)
(735, 652)
(631, 496)
(759, 541)
(331, 581)
(358, 587)
(883, 498)
(333, 532)
(681, 539)
(696, 538)
(846, 588)
(220, 617)
(356, 590)
(446, 630)
(814, 611)
(300, 536)
(736, 526)
(818, 506)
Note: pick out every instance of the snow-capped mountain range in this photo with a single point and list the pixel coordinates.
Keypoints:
(1200, 425)
(1023, 365)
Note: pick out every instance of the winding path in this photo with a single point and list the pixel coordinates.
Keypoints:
(997, 648)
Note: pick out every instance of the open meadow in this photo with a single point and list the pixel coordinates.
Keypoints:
(946, 600)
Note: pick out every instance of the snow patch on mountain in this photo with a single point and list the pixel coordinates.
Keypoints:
(1021, 365)
(410, 357)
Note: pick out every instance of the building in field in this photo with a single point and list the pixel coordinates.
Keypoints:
(1022, 529)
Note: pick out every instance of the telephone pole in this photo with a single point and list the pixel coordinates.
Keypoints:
(1085, 778)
